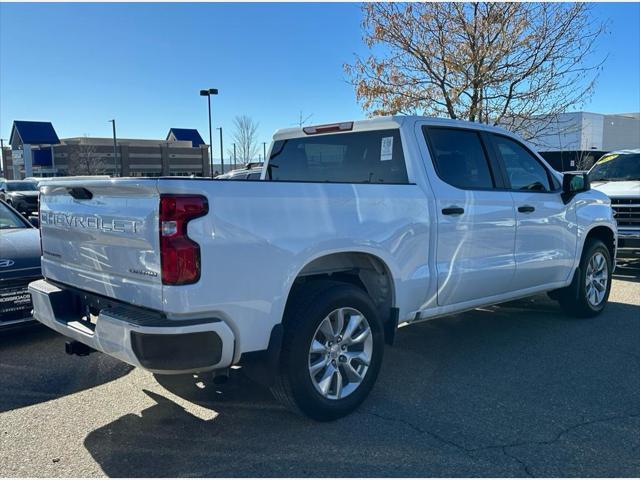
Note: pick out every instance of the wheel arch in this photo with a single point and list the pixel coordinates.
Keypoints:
(340, 265)
(349, 262)
(604, 233)
(363, 269)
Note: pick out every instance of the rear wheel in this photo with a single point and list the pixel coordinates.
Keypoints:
(588, 295)
(332, 350)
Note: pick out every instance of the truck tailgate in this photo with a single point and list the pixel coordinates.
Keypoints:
(102, 236)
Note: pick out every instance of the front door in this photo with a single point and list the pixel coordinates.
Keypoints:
(546, 227)
(475, 220)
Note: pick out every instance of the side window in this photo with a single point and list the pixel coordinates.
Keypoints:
(356, 157)
(459, 158)
(524, 171)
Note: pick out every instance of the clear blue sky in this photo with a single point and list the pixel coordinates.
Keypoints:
(78, 65)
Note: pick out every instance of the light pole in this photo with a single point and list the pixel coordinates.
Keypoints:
(2, 156)
(115, 149)
(221, 154)
(264, 151)
(208, 93)
(234, 156)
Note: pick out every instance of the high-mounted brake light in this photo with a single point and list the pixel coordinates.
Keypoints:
(332, 127)
(179, 255)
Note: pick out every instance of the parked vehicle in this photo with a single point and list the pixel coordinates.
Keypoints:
(19, 265)
(242, 174)
(302, 278)
(618, 175)
(20, 194)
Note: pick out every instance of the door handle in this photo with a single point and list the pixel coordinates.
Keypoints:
(526, 209)
(453, 211)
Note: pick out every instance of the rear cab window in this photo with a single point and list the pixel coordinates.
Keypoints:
(354, 157)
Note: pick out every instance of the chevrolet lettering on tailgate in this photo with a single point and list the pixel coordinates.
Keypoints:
(88, 222)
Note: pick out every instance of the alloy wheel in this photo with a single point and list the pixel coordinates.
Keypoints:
(340, 353)
(596, 279)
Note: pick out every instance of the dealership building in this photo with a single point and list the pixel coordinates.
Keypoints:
(576, 140)
(37, 151)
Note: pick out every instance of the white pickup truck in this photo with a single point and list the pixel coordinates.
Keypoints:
(617, 174)
(356, 228)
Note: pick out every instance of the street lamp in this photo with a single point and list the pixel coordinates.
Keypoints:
(2, 157)
(115, 154)
(221, 154)
(208, 93)
(234, 156)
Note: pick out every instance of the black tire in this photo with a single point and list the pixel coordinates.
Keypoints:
(308, 307)
(573, 299)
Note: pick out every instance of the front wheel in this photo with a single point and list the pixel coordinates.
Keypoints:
(589, 296)
(332, 350)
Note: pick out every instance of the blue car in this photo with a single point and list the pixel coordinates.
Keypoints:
(19, 265)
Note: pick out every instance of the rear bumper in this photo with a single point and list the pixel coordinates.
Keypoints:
(137, 336)
(15, 324)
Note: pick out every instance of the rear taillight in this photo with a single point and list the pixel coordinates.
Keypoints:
(179, 255)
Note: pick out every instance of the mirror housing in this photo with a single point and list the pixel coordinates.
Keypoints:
(34, 220)
(574, 183)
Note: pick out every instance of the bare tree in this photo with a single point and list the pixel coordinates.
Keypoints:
(583, 160)
(514, 64)
(245, 137)
(83, 160)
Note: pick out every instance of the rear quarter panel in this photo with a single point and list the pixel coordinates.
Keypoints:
(258, 236)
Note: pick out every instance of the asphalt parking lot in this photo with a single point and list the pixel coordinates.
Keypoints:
(515, 390)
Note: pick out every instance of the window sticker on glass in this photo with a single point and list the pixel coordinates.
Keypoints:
(386, 149)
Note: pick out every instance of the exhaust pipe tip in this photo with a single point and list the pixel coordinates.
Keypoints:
(73, 347)
(221, 377)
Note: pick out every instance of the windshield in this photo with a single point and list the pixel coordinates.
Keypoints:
(21, 186)
(9, 219)
(616, 167)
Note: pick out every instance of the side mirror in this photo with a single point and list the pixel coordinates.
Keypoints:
(34, 220)
(574, 183)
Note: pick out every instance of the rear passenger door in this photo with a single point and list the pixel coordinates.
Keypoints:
(545, 229)
(475, 216)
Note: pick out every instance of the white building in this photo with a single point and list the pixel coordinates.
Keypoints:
(577, 139)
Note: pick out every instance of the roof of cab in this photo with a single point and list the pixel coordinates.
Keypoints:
(395, 121)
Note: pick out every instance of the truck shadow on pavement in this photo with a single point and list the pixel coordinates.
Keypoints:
(515, 390)
(28, 377)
